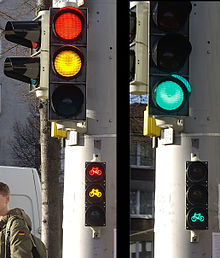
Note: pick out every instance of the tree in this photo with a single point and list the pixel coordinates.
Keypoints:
(50, 164)
(25, 145)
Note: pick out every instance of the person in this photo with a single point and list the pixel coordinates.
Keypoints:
(19, 243)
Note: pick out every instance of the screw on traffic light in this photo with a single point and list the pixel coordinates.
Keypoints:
(95, 194)
(138, 54)
(196, 195)
(68, 53)
(33, 35)
(170, 48)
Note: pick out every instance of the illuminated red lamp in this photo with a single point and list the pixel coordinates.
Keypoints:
(69, 23)
(95, 171)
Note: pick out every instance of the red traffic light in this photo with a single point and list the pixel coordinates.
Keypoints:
(95, 171)
(68, 23)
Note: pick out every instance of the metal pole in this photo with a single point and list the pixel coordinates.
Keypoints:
(201, 137)
(99, 140)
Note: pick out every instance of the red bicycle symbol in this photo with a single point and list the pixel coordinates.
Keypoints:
(95, 171)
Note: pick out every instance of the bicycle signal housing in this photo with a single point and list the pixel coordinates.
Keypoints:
(196, 195)
(95, 196)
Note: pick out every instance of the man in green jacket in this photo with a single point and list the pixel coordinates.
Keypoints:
(19, 244)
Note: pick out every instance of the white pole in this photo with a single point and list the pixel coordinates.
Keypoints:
(100, 139)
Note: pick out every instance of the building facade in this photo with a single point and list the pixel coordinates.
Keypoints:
(142, 175)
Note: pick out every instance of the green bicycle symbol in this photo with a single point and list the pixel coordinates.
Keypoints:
(197, 216)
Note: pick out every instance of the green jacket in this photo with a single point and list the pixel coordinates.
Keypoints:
(20, 241)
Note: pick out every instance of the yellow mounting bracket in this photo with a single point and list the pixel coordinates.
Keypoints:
(57, 133)
(150, 128)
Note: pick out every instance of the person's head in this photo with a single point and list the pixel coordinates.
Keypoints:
(4, 198)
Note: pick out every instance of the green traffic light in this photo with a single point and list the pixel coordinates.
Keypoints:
(197, 216)
(169, 95)
(171, 92)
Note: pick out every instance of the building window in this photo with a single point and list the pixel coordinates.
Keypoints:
(141, 155)
(141, 204)
(141, 250)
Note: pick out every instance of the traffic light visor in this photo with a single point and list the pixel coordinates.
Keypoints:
(68, 61)
(68, 23)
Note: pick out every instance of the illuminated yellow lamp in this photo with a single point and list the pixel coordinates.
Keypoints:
(55, 133)
(67, 63)
(95, 192)
(150, 128)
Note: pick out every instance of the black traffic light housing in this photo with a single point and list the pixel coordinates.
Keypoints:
(34, 69)
(95, 194)
(28, 34)
(25, 33)
(67, 88)
(169, 55)
(196, 195)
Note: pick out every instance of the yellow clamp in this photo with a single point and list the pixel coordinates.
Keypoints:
(150, 128)
(55, 133)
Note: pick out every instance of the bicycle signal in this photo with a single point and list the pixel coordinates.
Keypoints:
(197, 195)
(197, 216)
(95, 171)
(95, 192)
(95, 197)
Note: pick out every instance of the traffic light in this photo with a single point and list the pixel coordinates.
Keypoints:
(138, 53)
(34, 68)
(95, 197)
(196, 195)
(170, 48)
(68, 54)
